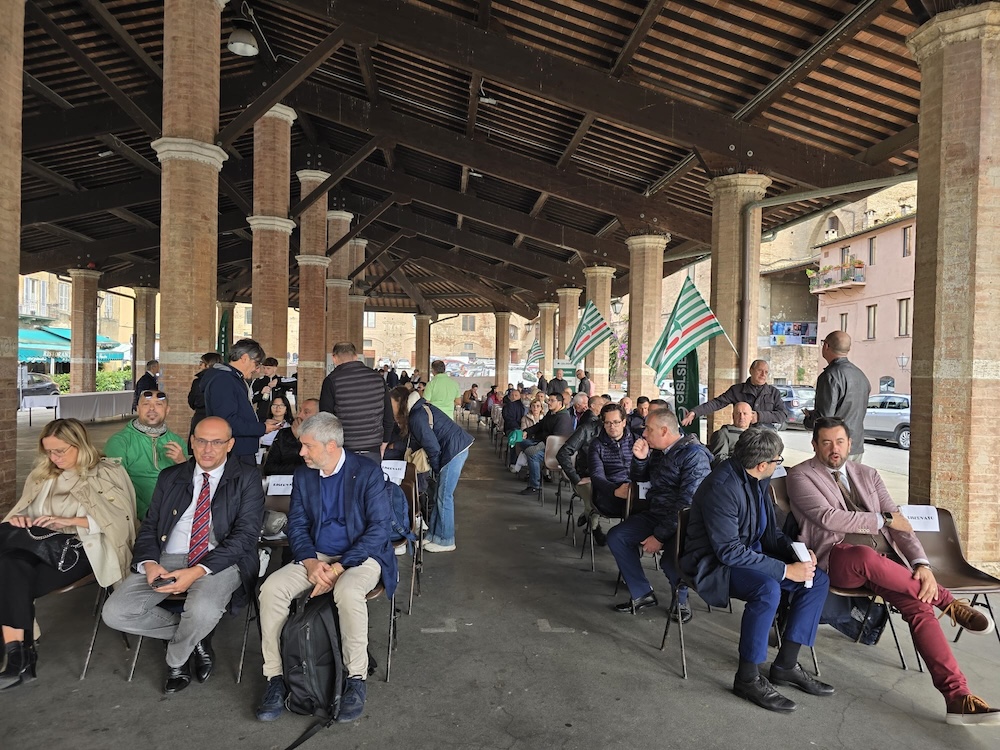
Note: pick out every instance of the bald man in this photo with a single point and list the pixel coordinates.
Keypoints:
(842, 390)
(725, 438)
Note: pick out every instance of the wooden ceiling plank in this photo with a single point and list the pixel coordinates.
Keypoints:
(499, 299)
(40, 89)
(123, 100)
(408, 286)
(392, 269)
(358, 228)
(85, 203)
(125, 40)
(576, 140)
(386, 245)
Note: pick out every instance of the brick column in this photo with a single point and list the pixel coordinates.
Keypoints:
(338, 223)
(503, 349)
(730, 193)
(189, 217)
(356, 298)
(11, 65)
(599, 290)
(423, 346)
(313, 265)
(569, 316)
(145, 324)
(83, 331)
(222, 308)
(272, 138)
(546, 337)
(956, 363)
(645, 323)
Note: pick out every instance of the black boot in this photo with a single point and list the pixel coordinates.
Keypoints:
(20, 665)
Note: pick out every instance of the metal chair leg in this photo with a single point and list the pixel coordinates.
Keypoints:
(253, 604)
(413, 576)
(680, 633)
(391, 646)
(102, 594)
(619, 583)
(895, 638)
(135, 658)
(812, 649)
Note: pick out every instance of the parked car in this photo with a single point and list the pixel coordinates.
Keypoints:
(888, 418)
(39, 384)
(797, 398)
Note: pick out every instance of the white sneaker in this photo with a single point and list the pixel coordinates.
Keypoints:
(400, 550)
(433, 547)
(423, 524)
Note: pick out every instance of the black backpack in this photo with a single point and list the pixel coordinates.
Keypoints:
(313, 666)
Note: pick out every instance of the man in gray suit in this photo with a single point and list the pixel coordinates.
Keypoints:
(842, 390)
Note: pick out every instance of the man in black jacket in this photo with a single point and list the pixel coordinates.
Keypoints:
(283, 457)
(842, 390)
(765, 400)
(148, 382)
(227, 395)
(558, 383)
(199, 538)
(358, 397)
(558, 421)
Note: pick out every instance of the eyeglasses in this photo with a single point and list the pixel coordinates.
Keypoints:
(202, 443)
(149, 395)
(779, 460)
(57, 452)
(614, 423)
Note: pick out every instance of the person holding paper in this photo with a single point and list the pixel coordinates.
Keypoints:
(844, 512)
(734, 548)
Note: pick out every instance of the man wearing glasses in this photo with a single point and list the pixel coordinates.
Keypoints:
(674, 465)
(734, 548)
(199, 539)
(558, 421)
(228, 395)
(146, 447)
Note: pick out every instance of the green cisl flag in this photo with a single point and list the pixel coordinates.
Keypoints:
(222, 344)
(686, 390)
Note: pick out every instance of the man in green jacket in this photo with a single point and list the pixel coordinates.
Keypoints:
(146, 447)
(442, 391)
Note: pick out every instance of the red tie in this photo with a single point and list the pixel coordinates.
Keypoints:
(202, 522)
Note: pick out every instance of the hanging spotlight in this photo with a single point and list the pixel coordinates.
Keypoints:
(242, 41)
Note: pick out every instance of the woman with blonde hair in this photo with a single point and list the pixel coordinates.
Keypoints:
(75, 517)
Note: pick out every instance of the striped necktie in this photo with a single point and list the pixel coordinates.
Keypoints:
(202, 523)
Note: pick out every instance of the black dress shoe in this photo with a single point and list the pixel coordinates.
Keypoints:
(582, 520)
(178, 678)
(761, 692)
(204, 659)
(686, 614)
(599, 536)
(801, 679)
(634, 605)
(529, 491)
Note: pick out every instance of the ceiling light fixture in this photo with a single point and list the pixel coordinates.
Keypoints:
(242, 42)
(474, 173)
(483, 98)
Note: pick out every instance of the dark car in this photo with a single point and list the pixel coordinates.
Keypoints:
(39, 384)
(888, 418)
(797, 398)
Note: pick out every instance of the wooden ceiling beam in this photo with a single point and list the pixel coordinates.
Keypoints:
(408, 286)
(637, 37)
(85, 203)
(339, 174)
(369, 217)
(500, 300)
(125, 40)
(386, 244)
(462, 45)
(391, 270)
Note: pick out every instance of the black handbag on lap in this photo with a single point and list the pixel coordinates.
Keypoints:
(61, 551)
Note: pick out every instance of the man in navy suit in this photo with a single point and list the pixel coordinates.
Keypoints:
(734, 548)
(338, 530)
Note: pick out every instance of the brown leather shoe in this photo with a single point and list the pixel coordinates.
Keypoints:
(971, 710)
(964, 615)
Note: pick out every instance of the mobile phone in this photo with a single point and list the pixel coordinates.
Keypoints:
(159, 581)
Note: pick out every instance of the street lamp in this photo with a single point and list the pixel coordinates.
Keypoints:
(902, 360)
(616, 305)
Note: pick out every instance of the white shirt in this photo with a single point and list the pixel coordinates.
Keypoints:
(338, 467)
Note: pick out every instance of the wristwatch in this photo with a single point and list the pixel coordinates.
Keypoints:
(888, 518)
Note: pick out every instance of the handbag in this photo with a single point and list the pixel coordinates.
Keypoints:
(419, 457)
(58, 550)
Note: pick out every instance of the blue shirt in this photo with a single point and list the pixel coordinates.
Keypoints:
(331, 537)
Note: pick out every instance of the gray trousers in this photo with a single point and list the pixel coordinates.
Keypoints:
(132, 608)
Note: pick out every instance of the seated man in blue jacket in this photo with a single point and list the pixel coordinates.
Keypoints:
(338, 530)
(674, 464)
(735, 548)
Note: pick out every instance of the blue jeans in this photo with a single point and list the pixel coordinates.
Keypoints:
(624, 540)
(535, 461)
(442, 525)
(762, 595)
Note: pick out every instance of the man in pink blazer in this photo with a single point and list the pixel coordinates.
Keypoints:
(831, 498)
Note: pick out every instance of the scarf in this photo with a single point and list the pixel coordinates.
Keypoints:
(153, 432)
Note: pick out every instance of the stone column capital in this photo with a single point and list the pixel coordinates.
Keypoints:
(151, 290)
(221, 4)
(226, 305)
(751, 187)
(549, 307)
(974, 23)
(597, 272)
(312, 175)
(312, 260)
(420, 317)
(359, 298)
(646, 242)
(84, 273)
(502, 313)
(281, 112)
(341, 215)
(568, 291)
(338, 283)
(359, 242)
(271, 223)
(187, 149)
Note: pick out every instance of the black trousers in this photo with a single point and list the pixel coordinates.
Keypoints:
(24, 578)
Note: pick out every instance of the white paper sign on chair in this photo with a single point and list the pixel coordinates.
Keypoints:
(394, 470)
(644, 489)
(279, 484)
(921, 517)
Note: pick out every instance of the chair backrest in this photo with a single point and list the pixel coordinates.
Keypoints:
(944, 550)
(552, 445)
(497, 415)
(412, 492)
(779, 496)
(683, 518)
(634, 503)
